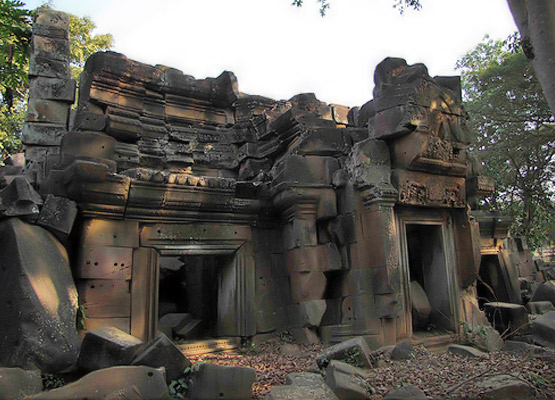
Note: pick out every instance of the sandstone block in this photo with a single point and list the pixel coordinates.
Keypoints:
(44, 134)
(107, 347)
(307, 286)
(53, 89)
(51, 111)
(543, 329)
(305, 335)
(356, 349)
(89, 121)
(213, 381)
(150, 383)
(421, 308)
(19, 199)
(45, 335)
(540, 307)
(58, 214)
(505, 387)
(89, 144)
(465, 351)
(161, 352)
(402, 351)
(545, 292)
(51, 48)
(16, 383)
(40, 65)
(345, 385)
(305, 392)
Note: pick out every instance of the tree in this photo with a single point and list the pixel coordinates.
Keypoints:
(15, 34)
(535, 20)
(515, 134)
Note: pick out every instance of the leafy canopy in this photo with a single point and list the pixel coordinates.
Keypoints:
(401, 5)
(515, 134)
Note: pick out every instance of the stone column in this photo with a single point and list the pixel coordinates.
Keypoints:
(51, 93)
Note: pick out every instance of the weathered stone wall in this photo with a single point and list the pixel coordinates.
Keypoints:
(315, 191)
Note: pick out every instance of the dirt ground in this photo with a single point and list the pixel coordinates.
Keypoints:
(440, 376)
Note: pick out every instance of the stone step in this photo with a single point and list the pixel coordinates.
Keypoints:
(193, 348)
(436, 344)
(189, 330)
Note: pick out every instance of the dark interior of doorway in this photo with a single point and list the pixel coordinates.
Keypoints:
(429, 280)
(188, 293)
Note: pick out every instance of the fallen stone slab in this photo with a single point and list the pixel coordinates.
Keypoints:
(485, 338)
(518, 347)
(543, 329)
(58, 214)
(35, 276)
(213, 381)
(295, 392)
(404, 350)
(506, 315)
(504, 387)
(465, 351)
(421, 308)
(128, 393)
(348, 369)
(16, 383)
(311, 380)
(406, 392)
(545, 292)
(540, 307)
(150, 383)
(161, 352)
(173, 322)
(345, 385)
(107, 347)
(355, 349)
(19, 199)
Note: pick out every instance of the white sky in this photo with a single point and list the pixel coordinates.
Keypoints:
(278, 50)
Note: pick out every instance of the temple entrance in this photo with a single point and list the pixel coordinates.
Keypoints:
(191, 287)
(428, 276)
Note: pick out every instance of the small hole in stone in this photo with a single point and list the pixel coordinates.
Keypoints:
(122, 264)
(96, 263)
(88, 262)
(159, 231)
(92, 286)
(115, 236)
(150, 374)
(221, 394)
(115, 264)
(9, 302)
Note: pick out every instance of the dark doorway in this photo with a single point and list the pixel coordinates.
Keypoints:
(429, 280)
(191, 285)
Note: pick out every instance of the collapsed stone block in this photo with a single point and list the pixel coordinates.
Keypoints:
(505, 387)
(421, 308)
(161, 352)
(356, 349)
(305, 392)
(16, 383)
(149, 382)
(465, 351)
(58, 214)
(540, 307)
(19, 199)
(213, 381)
(544, 292)
(404, 350)
(107, 347)
(543, 329)
(35, 276)
(506, 315)
(345, 385)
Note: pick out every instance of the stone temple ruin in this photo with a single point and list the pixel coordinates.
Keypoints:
(162, 194)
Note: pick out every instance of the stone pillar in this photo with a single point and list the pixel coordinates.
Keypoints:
(51, 92)
(306, 259)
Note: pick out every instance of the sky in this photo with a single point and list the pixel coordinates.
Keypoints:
(277, 50)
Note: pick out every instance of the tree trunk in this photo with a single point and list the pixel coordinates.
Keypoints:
(535, 20)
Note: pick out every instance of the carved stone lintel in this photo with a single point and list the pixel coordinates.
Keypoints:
(382, 195)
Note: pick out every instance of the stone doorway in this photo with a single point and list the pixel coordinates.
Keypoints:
(195, 286)
(429, 283)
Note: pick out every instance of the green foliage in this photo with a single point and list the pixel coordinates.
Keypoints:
(83, 43)
(15, 36)
(178, 387)
(50, 381)
(11, 123)
(81, 317)
(352, 357)
(515, 134)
